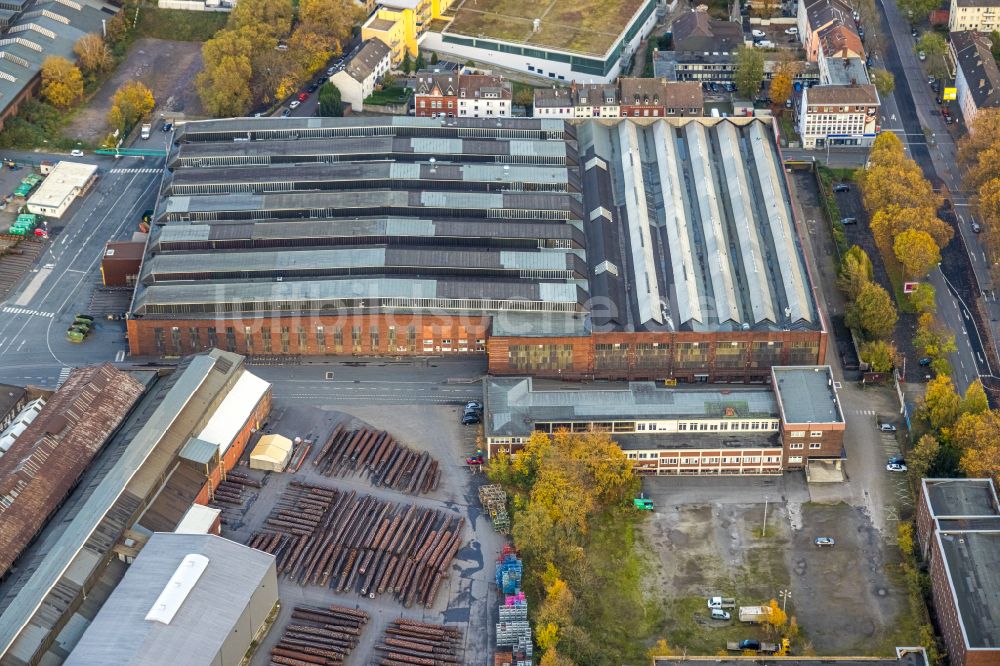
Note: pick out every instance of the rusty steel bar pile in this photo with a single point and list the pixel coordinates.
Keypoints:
(321, 536)
(376, 454)
(322, 636)
(411, 643)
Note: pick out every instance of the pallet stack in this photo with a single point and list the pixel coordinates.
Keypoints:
(513, 629)
(494, 500)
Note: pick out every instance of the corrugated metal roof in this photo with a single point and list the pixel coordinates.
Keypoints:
(234, 411)
(199, 451)
(68, 547)
(208, 616)
(515, 405)
(49, 456)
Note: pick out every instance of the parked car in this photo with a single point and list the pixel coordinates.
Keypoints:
(719, 614)
(922, 56)
(312, 87)
(750, 644)
(895, 467)
(303, 96)
(896, 460)
(791, 31)
(764, 44)
(321, 80)
(76, 152)
(758, 34)
(925, 361)
(474, 406)
(848, 220)
(167, 127)
(887, 427)
(824, 541)
(913, 32)
(975, 227)
(330, 71)
(470, 418)
(295, 104)
(286, 113)
(841, 187)
(788, 103)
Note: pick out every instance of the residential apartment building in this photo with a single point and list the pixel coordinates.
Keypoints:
(630, 98)
(958, 527)
(977, 77)
(362, 72)
(682, 431)
(817, 17)
(400, 24)
(436, 94)
(978, 15)
(462, 96)
(484, 96)
(838, 115)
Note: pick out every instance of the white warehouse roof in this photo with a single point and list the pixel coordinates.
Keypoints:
(234, 411)
(61, 186)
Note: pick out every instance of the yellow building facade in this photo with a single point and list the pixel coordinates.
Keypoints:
(399, 24)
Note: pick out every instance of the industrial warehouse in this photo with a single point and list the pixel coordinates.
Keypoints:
(139, 450)
(620, 250)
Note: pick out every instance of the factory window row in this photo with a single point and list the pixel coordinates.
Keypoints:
(301, 340)
(702, 460)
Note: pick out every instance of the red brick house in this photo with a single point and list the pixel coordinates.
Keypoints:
(436, 95)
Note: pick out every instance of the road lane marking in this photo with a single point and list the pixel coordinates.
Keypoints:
(63, 376)
(120, 356)
(33, 286)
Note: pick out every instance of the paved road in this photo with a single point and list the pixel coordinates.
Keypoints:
(378, 381)
(907, 113)
(33, 349)
(309, 107)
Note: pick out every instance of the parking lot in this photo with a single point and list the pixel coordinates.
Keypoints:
(466, 599)
(713, 540)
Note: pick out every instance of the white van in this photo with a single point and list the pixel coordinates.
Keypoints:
(765, 44)
(715, 113)
(719, 614)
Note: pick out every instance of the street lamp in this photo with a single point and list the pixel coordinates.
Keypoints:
(784, 594)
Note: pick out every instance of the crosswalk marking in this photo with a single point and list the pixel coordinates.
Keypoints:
(136, 170)
(865, 412)
(34, 313)
(120, 356)
(63, 376)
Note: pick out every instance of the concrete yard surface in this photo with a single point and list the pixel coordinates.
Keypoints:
(846, 599)
(466, 599)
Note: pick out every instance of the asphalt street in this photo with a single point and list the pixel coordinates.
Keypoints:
(907, 112)
(378, 381)
(33, 348)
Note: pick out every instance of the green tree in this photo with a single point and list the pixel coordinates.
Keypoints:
(749, 71)
(922, 458)
(883, 80)
(917, 11)
(873, 312)
(434, 57)
(941, 403)
(933, 46)
(407, 64)
(62, 82)
(420, 64)
(329, 101)
(879, 355)
(923, 298)
(855, 272)
(974, 401)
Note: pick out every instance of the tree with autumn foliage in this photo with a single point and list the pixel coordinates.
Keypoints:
(879, 355)
(917, 252)
(776, 619)
(132, 102)
(941, 405)
(872, 313)
(574, 524)
(923, 455)
(93, 53)
(977, 436)
(62, 82)
(974, 401)
(856, 270)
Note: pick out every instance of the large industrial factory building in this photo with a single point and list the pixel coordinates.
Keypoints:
(660, 249)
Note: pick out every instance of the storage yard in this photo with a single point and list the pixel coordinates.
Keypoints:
(376, 520)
